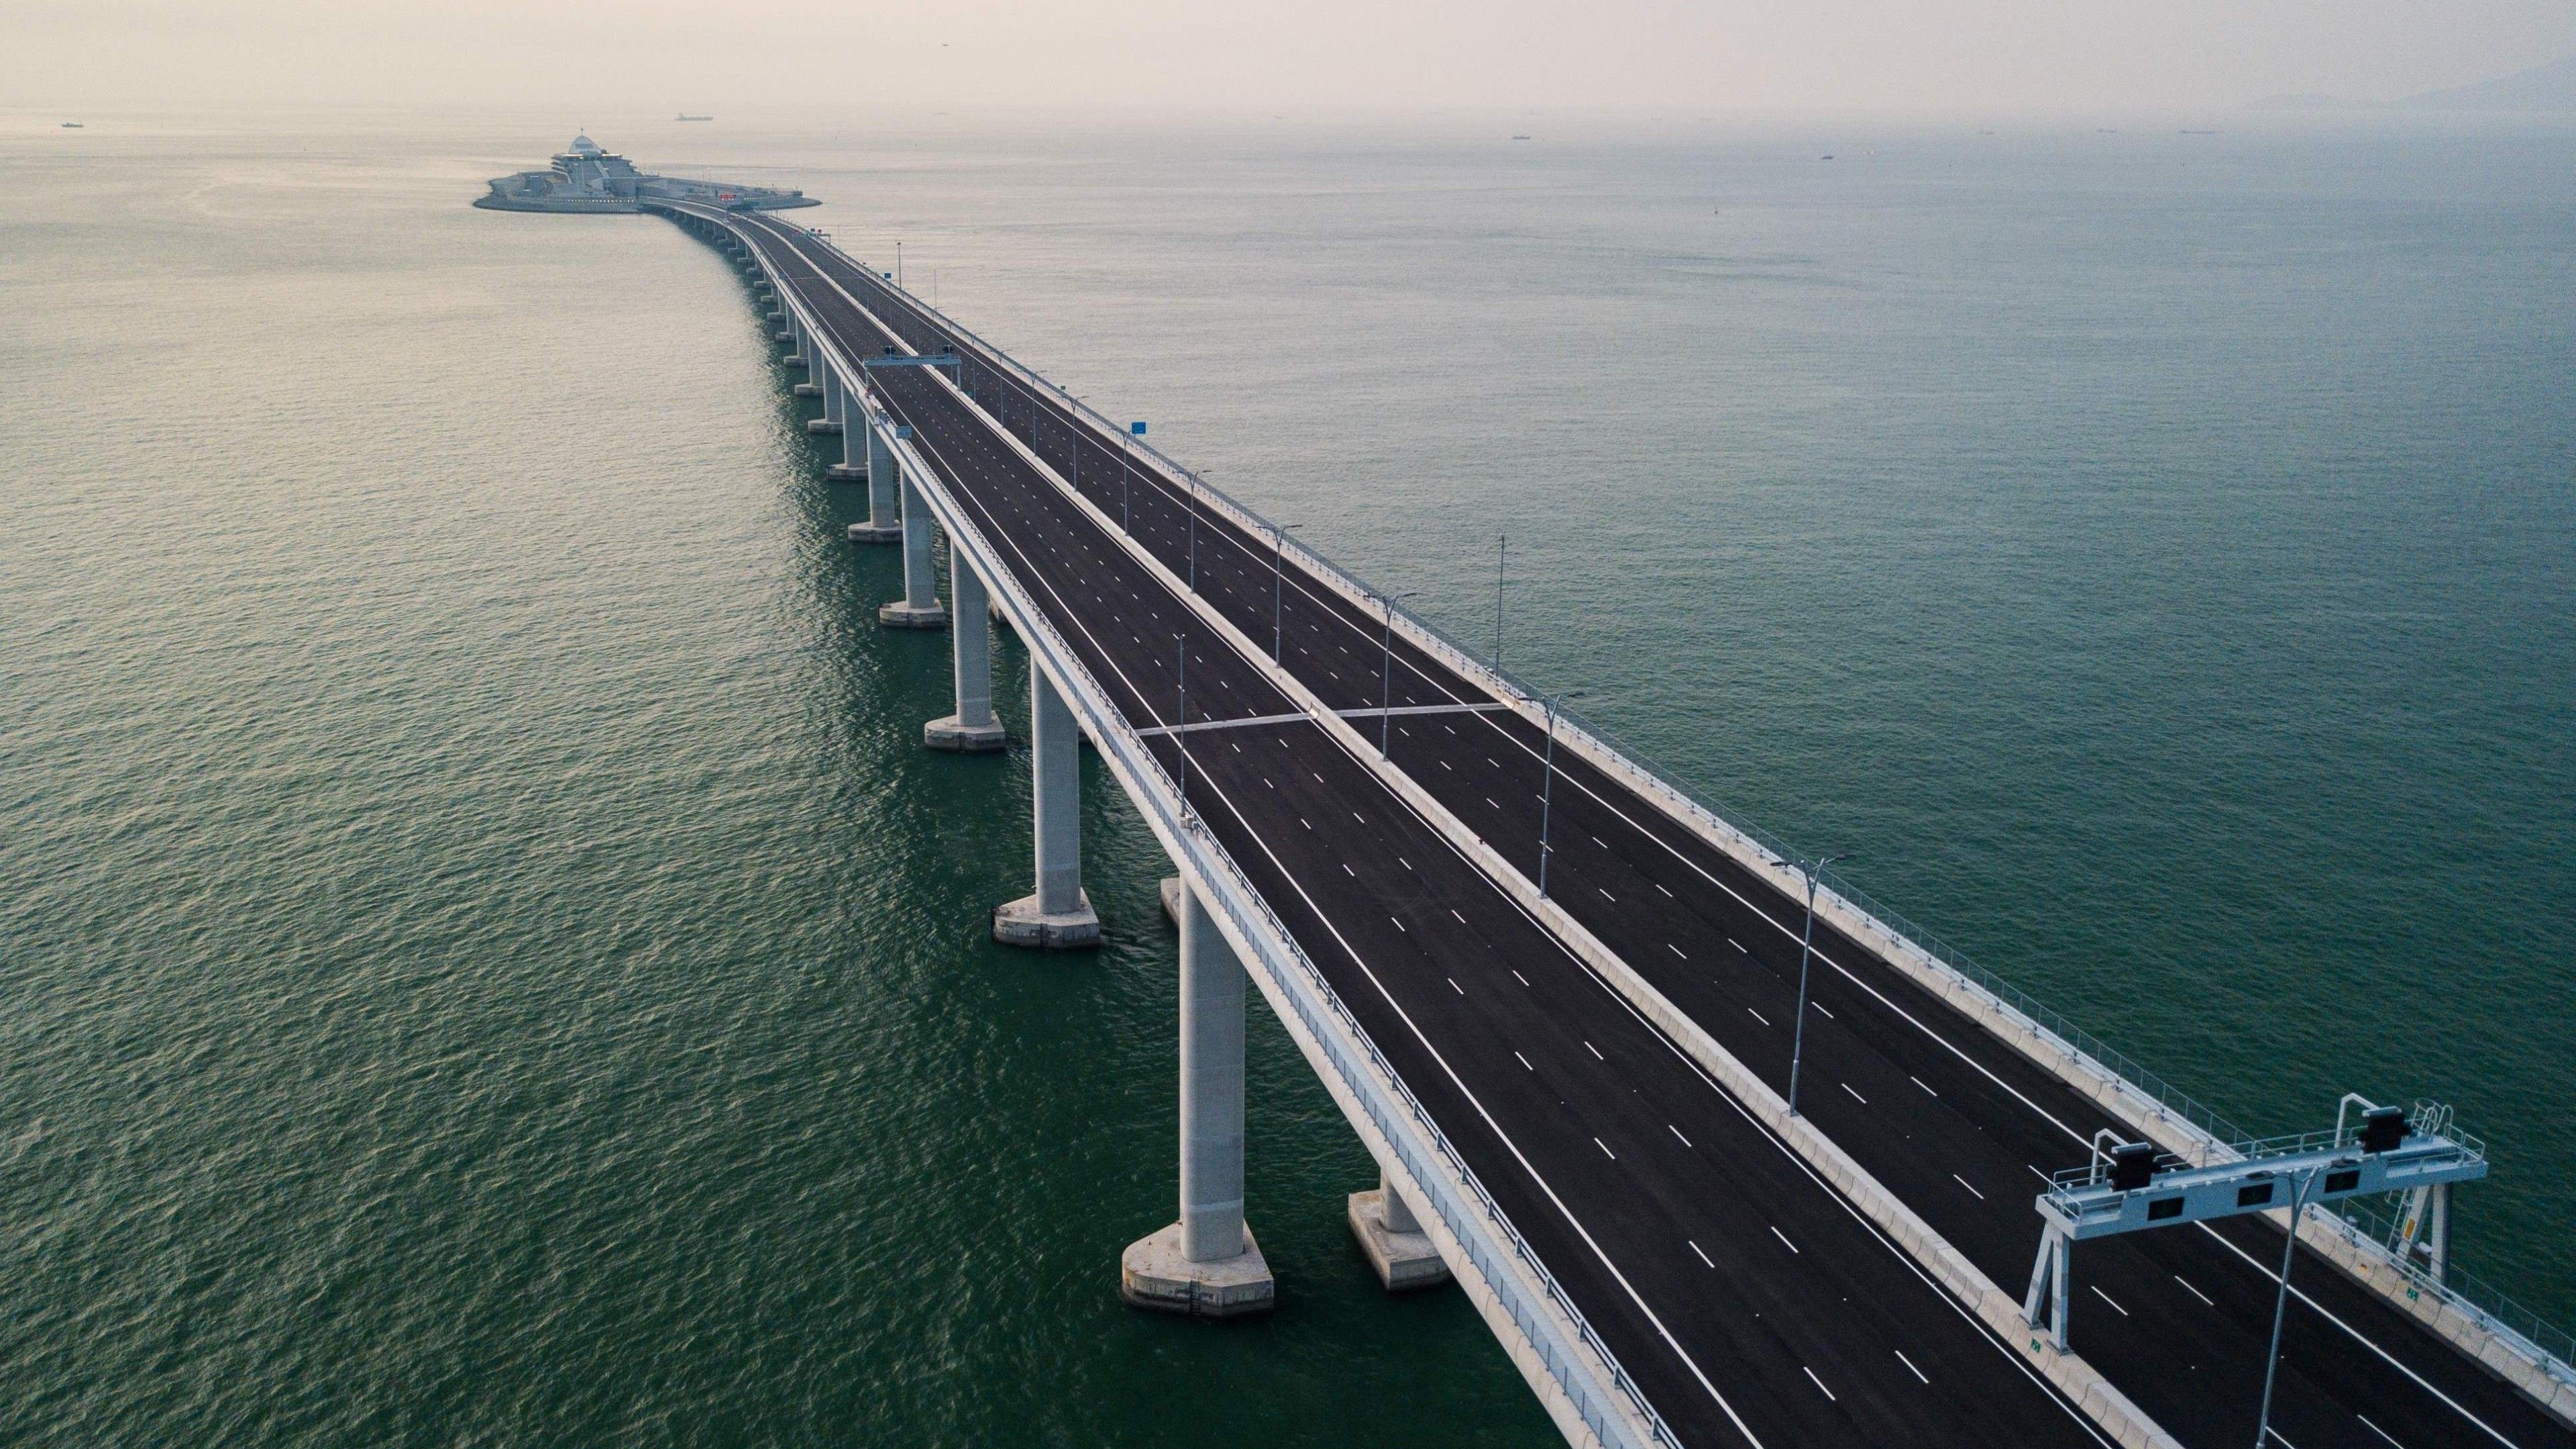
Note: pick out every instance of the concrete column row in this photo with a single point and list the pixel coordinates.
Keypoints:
(1206, 1263)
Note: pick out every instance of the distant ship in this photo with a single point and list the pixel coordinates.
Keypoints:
(1520, 138)
(685, 116)
(585, 178)
(71, 125)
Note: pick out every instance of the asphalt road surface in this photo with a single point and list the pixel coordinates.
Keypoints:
(1750, 1303)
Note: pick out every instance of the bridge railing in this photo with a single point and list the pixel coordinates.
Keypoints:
(1328, 1019)
(1627, 758)
(2363, 1224)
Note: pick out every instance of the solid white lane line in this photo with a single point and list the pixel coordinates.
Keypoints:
(1659, 1326)
(1413, 1027)
(2301, 1294)
(1909, 1365)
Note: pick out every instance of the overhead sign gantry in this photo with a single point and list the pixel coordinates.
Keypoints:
(2130, 1187)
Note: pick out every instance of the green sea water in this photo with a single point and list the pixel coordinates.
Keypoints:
(484, 957)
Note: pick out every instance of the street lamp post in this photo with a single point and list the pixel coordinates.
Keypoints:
(1126, 471)
(1547, 787)
(1194, 531)
(1180, 741)
(1806, 952)
(2281, 1304)
(1386, 678)
(1278, 587)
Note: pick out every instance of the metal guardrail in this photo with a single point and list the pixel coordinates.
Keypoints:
(1642, 769)
(2552, 1346)
(2369, 1223)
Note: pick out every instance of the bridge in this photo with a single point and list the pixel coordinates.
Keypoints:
(1560, 1001)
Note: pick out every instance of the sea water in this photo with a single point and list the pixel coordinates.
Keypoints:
(484, 956)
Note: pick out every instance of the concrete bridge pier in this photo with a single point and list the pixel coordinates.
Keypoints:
(1207, 1264)
(919, 607)
(801, 354)
(849, 408)
(830, 386)
(972, 730)
(882, 526)
(1059, 914)
(1392, 1239)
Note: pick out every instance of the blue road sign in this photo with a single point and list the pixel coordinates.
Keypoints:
(1136, 428)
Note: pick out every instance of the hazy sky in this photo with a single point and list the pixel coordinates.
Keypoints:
(2000, 55)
